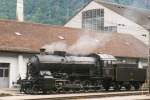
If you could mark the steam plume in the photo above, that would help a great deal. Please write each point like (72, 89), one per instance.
(55, 46)
(86, 44)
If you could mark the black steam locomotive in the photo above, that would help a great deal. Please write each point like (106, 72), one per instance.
(65, 72)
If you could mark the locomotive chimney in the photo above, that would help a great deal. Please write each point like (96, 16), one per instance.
(42, 51)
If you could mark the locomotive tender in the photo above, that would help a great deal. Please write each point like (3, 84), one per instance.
(65, 72)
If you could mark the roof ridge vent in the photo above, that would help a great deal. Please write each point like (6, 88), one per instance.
(17, 33)
(60, 37)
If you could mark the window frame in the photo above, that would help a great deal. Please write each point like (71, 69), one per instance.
(93, 20)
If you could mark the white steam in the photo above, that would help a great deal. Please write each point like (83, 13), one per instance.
(56, 46)
(86, 44)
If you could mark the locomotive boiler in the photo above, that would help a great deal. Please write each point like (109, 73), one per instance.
(60, 71)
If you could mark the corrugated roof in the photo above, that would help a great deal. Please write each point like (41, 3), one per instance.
(34, 36)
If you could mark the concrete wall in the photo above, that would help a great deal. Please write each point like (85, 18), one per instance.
(111, 18)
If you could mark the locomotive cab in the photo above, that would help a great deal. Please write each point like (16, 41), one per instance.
(107, 62)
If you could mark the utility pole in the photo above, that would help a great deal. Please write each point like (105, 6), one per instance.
(20, 11)
(147, 27)
(148, 60)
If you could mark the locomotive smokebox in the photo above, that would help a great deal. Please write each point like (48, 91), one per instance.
(60, 53)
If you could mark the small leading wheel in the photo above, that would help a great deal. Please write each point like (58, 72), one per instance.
(35, 89)
(128, 87)
(28, 90)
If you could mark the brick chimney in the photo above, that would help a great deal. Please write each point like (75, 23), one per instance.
(20, 11)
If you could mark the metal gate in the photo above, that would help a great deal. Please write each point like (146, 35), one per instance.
(4, 75)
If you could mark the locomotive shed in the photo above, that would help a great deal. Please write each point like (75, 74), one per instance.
(122, 46)
(76, 63)
(78, 96)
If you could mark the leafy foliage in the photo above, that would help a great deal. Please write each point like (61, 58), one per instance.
(51, 11)
(134, 3)
(7, 9)
(55, 11)
(58, 12)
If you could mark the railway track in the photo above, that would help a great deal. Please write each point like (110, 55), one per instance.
(73, 96)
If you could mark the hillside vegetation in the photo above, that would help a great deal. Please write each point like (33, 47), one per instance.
(55, 11)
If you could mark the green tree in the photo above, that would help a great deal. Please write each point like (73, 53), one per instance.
(54, 11)
(8, 9)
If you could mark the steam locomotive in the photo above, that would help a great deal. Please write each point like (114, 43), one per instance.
(47, 73)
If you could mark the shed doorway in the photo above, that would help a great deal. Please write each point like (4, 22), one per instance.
(4, 75)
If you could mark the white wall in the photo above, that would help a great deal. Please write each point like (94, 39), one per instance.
(22, 65)
(111, 18)
(13, 68)
(76, 21)
(17, 66)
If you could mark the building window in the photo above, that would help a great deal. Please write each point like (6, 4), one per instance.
(110, 29)
(93, 19)
(4, 70)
